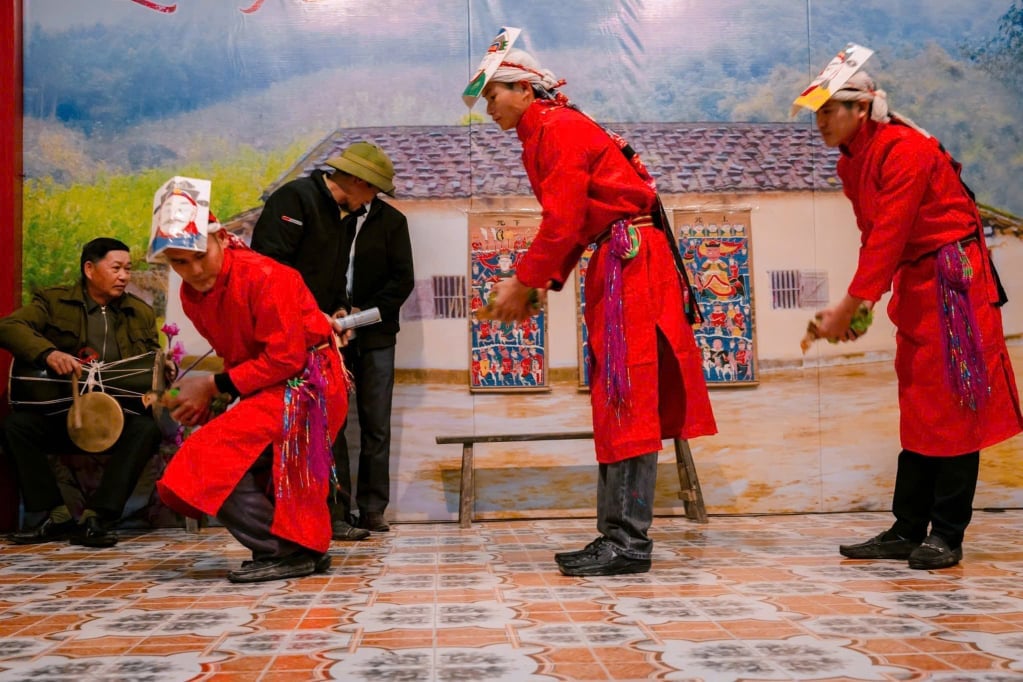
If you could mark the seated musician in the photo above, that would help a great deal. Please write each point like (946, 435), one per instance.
(263, 466)
(94, 318)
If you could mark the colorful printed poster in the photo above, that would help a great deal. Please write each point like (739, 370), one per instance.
(503, 356)
(716, 251)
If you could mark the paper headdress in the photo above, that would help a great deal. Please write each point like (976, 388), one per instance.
(491, 61)
(832, 78)
(181, 216)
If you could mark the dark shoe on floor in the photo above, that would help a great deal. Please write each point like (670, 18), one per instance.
(934, 553)
(342, 530)
(373, 521)
(606, 560)
(47, 531)
(568, 558)
(93, 534)
(294, 566)
(887, 545)
(321, 563)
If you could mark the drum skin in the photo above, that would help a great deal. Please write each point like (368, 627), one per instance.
(95, 422)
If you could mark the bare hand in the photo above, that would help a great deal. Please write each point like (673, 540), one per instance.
(833, 323)
(511, 300)
(343, 339)
(189, 399)
(64, 364)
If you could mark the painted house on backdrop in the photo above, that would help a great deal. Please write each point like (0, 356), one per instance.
(765, 194)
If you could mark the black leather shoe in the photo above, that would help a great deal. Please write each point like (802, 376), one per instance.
(47, 531)
(934, 553)
(373, 521)
(568, 558)
(606, 560)
(294, 566)
(887, 545)
(93, 534)
(342, 530)
(321, 563)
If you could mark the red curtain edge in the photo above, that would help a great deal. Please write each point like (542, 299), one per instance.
(11, 83)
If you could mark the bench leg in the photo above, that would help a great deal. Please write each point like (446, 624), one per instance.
(689, 484)
(191, 525)
(467, 488)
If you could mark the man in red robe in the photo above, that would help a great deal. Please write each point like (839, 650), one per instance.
(646, 382)
(921, 236)
(263, 466)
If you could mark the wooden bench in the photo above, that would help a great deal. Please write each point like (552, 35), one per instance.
(689, 484)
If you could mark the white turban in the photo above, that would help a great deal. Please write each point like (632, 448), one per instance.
(861, 88)
(519, 65)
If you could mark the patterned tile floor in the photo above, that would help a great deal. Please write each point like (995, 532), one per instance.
(741, 598)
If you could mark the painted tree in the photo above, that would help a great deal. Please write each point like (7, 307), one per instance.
(1001, 55)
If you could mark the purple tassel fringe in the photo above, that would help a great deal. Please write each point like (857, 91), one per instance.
(306, 457)
(616, 377)
(964, 360)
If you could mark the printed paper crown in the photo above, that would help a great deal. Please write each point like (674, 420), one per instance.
(491, 62)
(181, 216)
(838, 71)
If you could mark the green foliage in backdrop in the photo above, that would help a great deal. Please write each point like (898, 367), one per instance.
(59, 219)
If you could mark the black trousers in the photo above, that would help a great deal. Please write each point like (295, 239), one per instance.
(373, 372)
(248, 512)
(31, 436)
(937, 491)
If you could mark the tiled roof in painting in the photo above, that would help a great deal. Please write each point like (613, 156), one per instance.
(446, 162)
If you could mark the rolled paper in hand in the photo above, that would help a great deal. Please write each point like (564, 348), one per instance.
(859, 324)
(359, 319)
(487, 311)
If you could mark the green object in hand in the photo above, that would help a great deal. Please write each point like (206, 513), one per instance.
(860, 322)
(859, 325)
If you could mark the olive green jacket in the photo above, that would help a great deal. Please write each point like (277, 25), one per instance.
(56, 320)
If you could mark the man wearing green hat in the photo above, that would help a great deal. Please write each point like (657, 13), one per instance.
(301, 226)
(380, 275)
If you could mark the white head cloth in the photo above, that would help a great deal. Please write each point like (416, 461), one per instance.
(861, 88)
(519, 65)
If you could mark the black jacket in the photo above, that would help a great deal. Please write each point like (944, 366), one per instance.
(383, 274)
(300, 226)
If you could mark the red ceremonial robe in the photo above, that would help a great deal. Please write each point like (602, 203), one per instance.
(909, 202)
(261, 320)
(584, 183)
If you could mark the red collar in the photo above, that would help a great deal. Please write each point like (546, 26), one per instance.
(532, 118)
(861, 140)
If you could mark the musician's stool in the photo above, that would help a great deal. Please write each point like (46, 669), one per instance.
(689, 484)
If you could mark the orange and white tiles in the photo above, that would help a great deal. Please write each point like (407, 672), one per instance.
(741, 598)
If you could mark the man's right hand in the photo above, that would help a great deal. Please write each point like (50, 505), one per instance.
(63, 364)
(343, 339)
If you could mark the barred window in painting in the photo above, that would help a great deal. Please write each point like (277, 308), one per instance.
(799, 289)
(813, 289)
(784, 288)
(449, 296)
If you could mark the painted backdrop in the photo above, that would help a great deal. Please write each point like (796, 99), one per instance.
(120, 95)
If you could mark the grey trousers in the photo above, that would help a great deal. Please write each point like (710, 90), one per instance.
(625, 503)
(248, 512)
